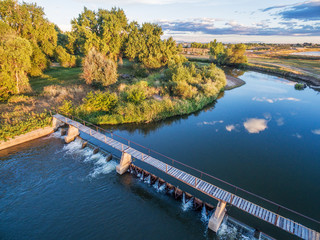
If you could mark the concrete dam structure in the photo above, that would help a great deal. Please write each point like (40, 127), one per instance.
(225, 198)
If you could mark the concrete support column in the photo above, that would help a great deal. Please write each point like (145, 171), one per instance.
(216, 218)
(124, 163)
(73, 132)
(56, 124)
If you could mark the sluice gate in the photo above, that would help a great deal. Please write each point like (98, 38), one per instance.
(222, 196)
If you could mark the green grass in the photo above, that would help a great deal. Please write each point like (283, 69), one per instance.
(56, 76)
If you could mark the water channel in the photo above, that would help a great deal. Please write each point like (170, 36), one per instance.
(263, 137)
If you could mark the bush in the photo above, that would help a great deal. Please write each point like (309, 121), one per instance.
(136, 95)
(67, 108)
(100, 101)
(97, 69)
(65, 59)
(183, 89)
(138, 92)
(17, 123)
(299, 86)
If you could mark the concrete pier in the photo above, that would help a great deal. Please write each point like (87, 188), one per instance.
(216, 218)
(73, 132)
(124, 163)
(56, 123)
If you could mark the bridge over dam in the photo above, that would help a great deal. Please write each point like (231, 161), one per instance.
(224, 197)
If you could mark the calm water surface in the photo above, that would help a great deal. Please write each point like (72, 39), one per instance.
(264, 137)
(307, 53)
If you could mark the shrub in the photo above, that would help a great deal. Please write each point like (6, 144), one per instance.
(100, 101)
(97, 69)
(137, 93)
(183, 89)
(299, 86)
(67, 108)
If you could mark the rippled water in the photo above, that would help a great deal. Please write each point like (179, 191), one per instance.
(264, 136)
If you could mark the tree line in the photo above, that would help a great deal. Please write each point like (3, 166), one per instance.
(29, 42)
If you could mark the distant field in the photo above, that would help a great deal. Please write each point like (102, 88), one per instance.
(300, 66)
(279, 61)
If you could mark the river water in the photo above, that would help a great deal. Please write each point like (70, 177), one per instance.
(307, 53)
(263, 136)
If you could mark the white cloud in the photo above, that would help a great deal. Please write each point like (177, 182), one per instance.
(149, 2)
(273, 100)
(231, 127)
(316, 131)
(210, 123)
(280, 121)
(255, 125)
(297, 135)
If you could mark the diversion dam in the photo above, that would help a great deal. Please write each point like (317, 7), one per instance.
(193, 178)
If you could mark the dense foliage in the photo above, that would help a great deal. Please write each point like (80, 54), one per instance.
(15, 62)
(17, 123)
(98, 69)
(233, 54)
(64, 58)
(28, 22)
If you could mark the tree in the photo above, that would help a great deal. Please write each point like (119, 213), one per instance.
(103, 30)
(98, 69)
(216, 49)
(133, 45)
(65, 59)
(28, 21)
(237, 54)
(234, 54)
(15, 53)
(144, 44)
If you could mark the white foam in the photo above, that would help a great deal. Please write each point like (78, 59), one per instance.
(73, 146)
(103, 167)
(186, 205)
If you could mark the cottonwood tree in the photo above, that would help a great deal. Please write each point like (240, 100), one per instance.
(15, 62)
(28, 21)
(103, 30)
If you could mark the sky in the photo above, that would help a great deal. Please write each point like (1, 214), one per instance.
(229, 21)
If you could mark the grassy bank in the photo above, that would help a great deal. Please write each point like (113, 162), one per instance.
(139, 96)
(17, 123)
(27, 112)
(151, 96)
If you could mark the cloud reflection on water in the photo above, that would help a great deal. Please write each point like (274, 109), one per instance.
(273, 100)
(255, 125)
(316, 131)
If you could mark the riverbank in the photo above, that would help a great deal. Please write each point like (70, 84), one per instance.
(139, 96)
(286, 74)
(26, 137)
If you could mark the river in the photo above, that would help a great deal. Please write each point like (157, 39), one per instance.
(263, 136)
(307, 53)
